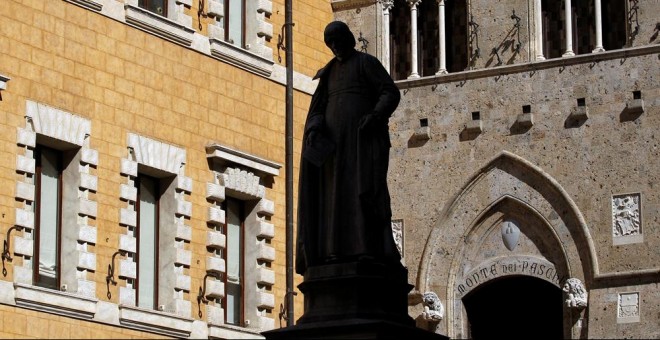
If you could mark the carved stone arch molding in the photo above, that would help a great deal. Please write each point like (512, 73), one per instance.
(508, 196)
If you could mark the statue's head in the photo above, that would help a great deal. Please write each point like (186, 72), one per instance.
(339, 38)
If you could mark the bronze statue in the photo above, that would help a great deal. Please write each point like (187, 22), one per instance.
(344, 212)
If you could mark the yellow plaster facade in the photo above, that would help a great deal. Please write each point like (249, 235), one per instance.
(124, 80)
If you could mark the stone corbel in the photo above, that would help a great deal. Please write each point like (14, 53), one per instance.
(434, 311)
(576, 294)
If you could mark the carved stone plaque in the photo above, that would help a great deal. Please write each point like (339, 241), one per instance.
(626, 218)
(628, 307)
(625, 215)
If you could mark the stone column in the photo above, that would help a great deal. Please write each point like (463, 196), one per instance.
(387, 6)
(442, 46)
(538, 29)
(599, 28)
(413, 37)
(569, 28)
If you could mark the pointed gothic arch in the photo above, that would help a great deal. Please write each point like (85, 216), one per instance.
(503, 185)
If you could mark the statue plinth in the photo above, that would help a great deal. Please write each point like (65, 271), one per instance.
(362, 299)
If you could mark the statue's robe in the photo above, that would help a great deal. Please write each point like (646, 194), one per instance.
(344, 209)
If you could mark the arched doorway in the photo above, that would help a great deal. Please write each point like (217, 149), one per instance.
(515, 307)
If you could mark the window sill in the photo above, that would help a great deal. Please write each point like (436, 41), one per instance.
(241, 58)
(159, 25)
(53, 301)
(89, 4)
(233, 332)
(154, 321)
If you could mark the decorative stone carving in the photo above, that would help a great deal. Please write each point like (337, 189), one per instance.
(628, 307)
(510, 234)
(434, 311)
(576, 294)
(397, 231)
(626, 216)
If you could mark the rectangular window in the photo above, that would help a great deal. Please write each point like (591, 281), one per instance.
(233, 303)
(234, 22)
(48, 206)
(156, 6)
(147, 238)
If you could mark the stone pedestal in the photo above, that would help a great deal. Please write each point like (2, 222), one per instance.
(364, 299)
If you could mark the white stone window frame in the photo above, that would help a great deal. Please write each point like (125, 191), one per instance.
(618, 240)
(257, 56)
(241, 176)
(174, 235)
(176, 27)
(57, 128)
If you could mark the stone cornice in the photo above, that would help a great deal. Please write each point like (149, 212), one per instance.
(342, 5)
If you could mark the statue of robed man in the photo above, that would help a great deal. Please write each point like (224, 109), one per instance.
(344, 212)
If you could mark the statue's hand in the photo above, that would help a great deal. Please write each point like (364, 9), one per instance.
(311, 136)
(368, 122)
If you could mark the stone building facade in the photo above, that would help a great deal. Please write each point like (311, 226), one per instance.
(142, 160)
(524, 166)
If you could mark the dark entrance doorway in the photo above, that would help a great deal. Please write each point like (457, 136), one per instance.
(515, 307)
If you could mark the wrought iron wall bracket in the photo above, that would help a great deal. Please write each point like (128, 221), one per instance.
(6, 254)
(364, 41)
(516, 27)
(110, 278)
(474, 38)
(201, 296)
(280, 42)
(283, 307)
(200, 13)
